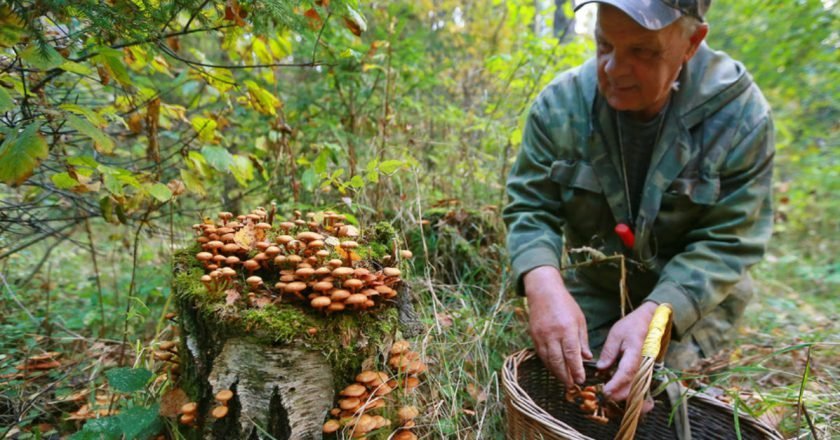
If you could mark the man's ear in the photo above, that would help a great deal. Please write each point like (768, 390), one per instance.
(695, 39)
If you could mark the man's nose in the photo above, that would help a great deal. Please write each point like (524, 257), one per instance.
(615, 65)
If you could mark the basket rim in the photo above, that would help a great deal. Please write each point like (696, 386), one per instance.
(519, 399)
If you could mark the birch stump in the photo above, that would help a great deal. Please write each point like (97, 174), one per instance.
(283, 361)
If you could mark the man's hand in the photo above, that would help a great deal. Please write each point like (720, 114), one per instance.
(557, 325)
(625, 343)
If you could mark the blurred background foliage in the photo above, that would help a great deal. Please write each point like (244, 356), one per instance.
(122, 122)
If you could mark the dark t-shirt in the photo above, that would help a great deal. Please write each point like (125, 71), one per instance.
(637, 139)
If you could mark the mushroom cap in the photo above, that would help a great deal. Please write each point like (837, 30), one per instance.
(364, 424)
(353, 390)
(204, 256)
(283, 239)
(391, 272)
(254, 281)
(315, 244)
(348, 231)
(186, 419)
(189, 408)
(400, 347)
(415, 367)
(323, 253)
(411, 383)
(280, 259)
(408, 412)
(232, 260)
(366, 376)
(206, 279)
(353, 283)
(331, 426)
(231, 248)
(361, 272)
(215, 244)
(272, 251)
(382, 389)
(349, 404)
(224, 395)
(320, 302)
(335, 262)
(286, 226)
(349, 244)
(251, 264)
(304, 272)
(262, 225)
(294, 259)
(219, 412)
(228, 272)
(404, 435)
(336, 307)
(406, 254)
(323, 271)
(287, 278)
(381, 422)
(295, 286)
(322, 286)
(381, 378)
(356, 298)
(342, 272)
(308, 236)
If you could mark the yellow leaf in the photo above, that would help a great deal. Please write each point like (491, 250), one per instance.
(261, 51)
(245, 237)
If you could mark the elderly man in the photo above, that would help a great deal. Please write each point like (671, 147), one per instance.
(659, 149)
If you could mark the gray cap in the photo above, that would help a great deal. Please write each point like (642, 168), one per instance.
(655, 14)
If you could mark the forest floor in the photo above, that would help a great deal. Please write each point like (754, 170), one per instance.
(784, 369)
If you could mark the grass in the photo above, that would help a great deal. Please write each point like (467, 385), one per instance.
(472, 322)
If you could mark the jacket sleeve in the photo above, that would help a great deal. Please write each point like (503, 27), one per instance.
(730, 237)
(534, 213)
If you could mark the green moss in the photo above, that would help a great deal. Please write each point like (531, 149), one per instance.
(346, 339)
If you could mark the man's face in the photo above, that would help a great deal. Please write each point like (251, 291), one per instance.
(637, 66)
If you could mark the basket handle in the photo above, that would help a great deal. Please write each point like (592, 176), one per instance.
(653, 351)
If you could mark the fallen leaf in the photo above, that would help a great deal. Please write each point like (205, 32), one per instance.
(246, 236)
(444, 320)
(171, 402)
(231, 295)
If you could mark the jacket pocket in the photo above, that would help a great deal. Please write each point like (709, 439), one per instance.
(584, 203)
(682, 203)
(575, 174)
(702, 190)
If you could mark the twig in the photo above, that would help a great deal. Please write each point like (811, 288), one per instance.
(132, 283)
(236, 66)
(98, 281)
(800, 405)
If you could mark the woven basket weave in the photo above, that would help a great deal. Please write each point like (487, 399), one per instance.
(537, 409)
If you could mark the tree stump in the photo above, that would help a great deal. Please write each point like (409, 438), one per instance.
(283, 374)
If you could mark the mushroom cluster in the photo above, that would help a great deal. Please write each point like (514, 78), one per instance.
(188, 413)
(372, 392)
(314, 261)
(593, 403)
(167, 352)
(221, 410)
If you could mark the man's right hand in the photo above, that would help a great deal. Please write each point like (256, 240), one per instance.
(557, 325)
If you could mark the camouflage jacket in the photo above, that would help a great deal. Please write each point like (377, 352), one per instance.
(705, 215)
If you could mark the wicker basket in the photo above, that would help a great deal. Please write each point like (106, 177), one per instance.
(537, 409)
